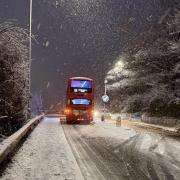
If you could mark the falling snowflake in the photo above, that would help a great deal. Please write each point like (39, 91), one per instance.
(48, 84)
(47, 43)
(38, 26)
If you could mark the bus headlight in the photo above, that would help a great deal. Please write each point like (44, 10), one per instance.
(91, 112)
(67, 111)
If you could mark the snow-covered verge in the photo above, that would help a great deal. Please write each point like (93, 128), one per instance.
(44, 155)
(170, 125)
(165, 121)
(8, 145)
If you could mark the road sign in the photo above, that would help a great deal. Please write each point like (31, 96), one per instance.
(105, 98)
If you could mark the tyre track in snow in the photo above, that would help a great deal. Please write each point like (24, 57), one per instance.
(84, 155)
(146, 165)
(108, 163)
(88, 167)
(124, 161)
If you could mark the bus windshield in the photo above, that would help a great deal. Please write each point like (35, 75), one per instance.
(81, 101)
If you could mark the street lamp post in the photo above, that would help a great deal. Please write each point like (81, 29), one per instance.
(105, 99)
(30, 43)
(105, 83)
(30, 50)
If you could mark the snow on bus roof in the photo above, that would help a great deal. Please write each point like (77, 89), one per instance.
(81, 78)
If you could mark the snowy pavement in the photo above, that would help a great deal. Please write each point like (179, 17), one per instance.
(45, 155)
(123, 153)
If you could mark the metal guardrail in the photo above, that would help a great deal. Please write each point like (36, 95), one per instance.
(10, 144)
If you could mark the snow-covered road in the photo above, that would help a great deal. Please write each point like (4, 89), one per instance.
(97, 151)
(104, 151)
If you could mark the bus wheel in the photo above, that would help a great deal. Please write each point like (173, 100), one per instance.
(68, 122)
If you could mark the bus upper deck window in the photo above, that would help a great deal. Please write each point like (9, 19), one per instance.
(81, 84)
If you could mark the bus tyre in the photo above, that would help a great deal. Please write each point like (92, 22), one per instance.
(68, 122)
(88, 122)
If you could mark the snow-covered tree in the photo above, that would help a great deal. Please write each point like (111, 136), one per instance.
(146, 76)
(14, 97)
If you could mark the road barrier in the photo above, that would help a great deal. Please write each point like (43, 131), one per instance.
(11, 143)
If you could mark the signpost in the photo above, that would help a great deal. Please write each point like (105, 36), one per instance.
(105, 99)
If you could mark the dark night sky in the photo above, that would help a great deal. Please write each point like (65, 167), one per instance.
(79, 37)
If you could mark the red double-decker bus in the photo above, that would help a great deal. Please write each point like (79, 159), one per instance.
(80, 100)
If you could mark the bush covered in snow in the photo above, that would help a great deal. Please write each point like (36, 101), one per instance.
(146, 76)
(14, 95)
